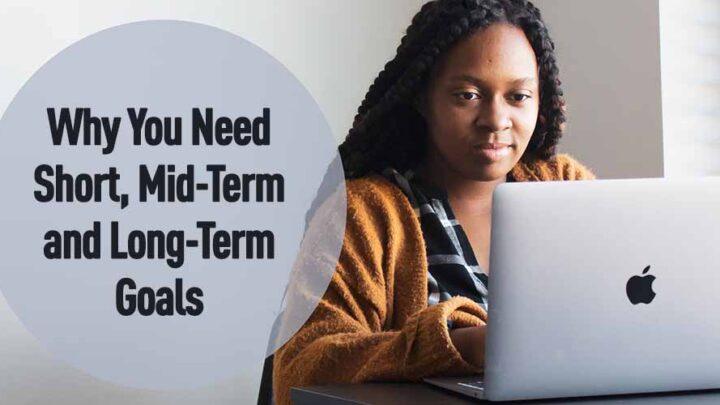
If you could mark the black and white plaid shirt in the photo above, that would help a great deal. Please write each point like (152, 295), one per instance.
(452, 266)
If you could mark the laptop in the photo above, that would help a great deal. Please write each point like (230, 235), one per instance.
(600, 288)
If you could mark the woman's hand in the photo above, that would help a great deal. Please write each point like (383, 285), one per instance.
(470, 342)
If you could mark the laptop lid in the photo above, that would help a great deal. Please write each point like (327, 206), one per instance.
(563, 320)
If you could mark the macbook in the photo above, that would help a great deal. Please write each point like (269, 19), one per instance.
(601, 287)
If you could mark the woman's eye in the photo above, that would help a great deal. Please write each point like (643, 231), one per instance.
(519, 97)
(468, 96)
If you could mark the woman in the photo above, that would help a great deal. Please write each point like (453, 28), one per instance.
(471, 100)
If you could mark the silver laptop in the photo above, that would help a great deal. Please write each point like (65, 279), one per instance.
(602, 287)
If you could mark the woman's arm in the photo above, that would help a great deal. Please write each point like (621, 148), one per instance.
(373, 322)
(470, 343)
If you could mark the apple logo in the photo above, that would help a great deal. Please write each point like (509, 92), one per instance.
(639, 288)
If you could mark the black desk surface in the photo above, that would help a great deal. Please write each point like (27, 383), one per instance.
(423, 394)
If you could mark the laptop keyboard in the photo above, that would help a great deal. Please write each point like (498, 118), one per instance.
(478, 385)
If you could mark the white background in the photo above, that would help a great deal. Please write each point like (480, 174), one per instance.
(691, 86)
(335, 47)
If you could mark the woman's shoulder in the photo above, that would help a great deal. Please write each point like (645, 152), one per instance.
(372, 185)
(559, 167)
(376, 196)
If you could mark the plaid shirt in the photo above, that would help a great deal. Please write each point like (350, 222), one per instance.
(452, 266)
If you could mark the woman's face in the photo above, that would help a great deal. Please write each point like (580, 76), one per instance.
(481, 104)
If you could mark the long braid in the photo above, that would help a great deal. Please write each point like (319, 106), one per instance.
(388, 131)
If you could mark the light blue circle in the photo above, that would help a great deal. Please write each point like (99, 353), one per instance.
(170, 68)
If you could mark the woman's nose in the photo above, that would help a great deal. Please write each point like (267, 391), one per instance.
(494, 115)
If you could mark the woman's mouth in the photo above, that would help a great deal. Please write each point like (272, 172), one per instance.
(493, 151)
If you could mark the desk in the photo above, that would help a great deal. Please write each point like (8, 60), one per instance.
(423, 394)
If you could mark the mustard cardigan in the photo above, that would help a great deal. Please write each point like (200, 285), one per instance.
(374, 322)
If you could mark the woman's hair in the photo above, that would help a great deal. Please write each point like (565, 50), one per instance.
(389, 131)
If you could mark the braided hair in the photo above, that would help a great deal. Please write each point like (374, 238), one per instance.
(389, 131)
